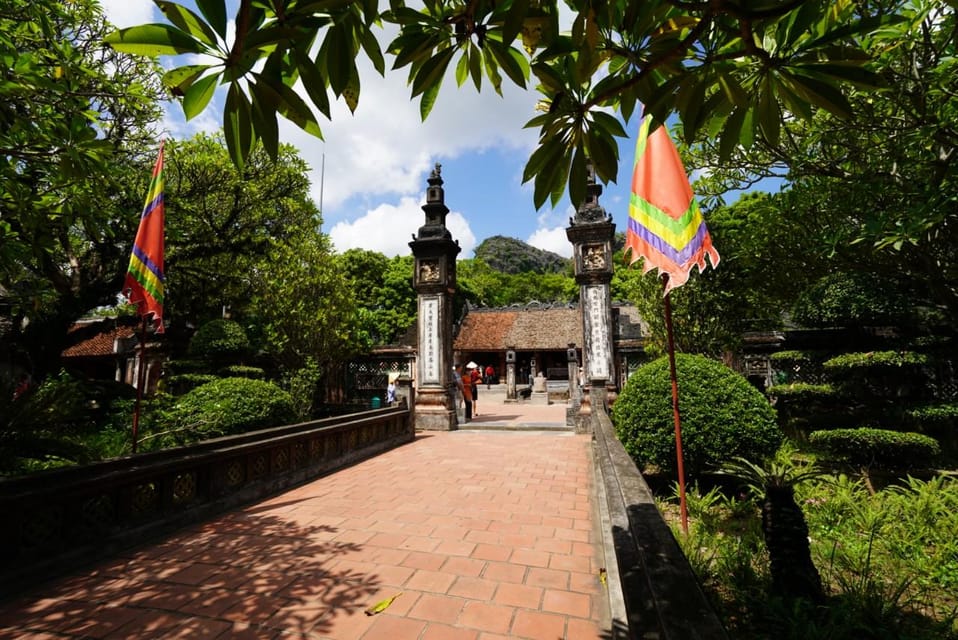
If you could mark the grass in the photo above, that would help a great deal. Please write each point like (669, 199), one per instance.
(888, 559)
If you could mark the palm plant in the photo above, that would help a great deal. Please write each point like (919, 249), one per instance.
(783, 524)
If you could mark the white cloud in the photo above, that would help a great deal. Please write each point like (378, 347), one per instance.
(389, 228)
(127, 13)
(385, 148)
(553, 239)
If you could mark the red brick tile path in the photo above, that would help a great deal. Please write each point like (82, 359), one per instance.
(484, 534)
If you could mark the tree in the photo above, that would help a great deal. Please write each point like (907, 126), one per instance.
(76, 144)
(768, 259)
(304, 305)
(736, 71)
(222, 224)
(878, 189)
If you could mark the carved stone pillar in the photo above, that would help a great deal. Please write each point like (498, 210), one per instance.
(510, 374)
(591, 232)
(434, 279)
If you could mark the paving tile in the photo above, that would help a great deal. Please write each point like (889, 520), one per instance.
(432, 581)
(518, 595)
(486, 617)
(538, 626)
(549, 578)
(504, 572)
(445, 632)
(473, 588)
(459, 566)
(567, 602)
(437, 608)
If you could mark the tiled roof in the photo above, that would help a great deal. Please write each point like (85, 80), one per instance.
(91, 342)
(527, 329)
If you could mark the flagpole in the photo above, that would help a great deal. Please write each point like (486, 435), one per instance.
(140, 381)
(683, 508)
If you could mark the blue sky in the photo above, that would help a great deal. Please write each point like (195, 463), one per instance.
(370, 172)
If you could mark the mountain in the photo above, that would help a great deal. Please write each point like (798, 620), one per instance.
(513, 256)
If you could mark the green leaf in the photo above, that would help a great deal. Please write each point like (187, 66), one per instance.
(187, 21)
(313, 82)
(732, 132)
(237, 127)
(373, 52)
(578, 179)
(264, 104)
(428, 100)
(215, 13)
(338, 54)
(294, 109)
(475, 66)
(154, 40)
(432, 71)
(515, 17)
(181, 78)
(198, 95)
(462, 68)
(819, 93)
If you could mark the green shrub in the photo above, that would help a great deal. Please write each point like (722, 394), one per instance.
(936, 414)
(220, 340)
(877, 447)
(184, 382)
(790, 357)
(242, 371)
(232, 405)
(851, 300)
(802, 392)
(722, 415)
(851, 363)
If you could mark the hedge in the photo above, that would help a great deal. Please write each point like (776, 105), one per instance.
(723, 416)
(220, 339)
(233, 405)
(877, 447)
(802, 391)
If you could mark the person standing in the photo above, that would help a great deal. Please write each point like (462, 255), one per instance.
(391, 389)
(464, 385)
(490, 374)
(474, 383)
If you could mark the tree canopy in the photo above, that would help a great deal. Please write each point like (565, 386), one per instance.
(734, 71)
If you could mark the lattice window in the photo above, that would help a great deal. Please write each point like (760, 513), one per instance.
(280, 459)
(259, 465)
(184, 488)
(145, 498)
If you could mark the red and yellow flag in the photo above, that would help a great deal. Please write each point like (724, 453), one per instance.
(666, 228)
(144, 278)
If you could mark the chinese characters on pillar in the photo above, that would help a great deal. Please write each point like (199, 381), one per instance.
(429, 338)
(598, 330)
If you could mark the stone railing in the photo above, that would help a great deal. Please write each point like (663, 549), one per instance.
(652, 589)
(58, 519)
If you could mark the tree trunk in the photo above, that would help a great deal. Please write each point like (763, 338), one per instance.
(786, 536)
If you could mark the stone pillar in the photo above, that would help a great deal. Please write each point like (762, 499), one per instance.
(575, 393)
(591, 232)
(434, 279)
(510, 374)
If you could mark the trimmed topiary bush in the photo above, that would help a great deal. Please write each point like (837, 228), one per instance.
(723, 416)
(220, 340)
(802, 392)
(877, 447)
(232, 405)
(849, 364)
(242, 371)
(181, 383)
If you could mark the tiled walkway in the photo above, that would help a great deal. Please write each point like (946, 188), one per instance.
(484, 536)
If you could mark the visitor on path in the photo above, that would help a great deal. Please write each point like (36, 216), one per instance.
(490, 374)
(391, 389)
(465, 391)
(474, 384)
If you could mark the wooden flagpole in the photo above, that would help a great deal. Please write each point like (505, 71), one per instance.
(140, 382)
(683, 508)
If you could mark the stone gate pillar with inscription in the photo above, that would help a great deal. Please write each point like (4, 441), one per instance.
(434, 279)
(591, 232)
